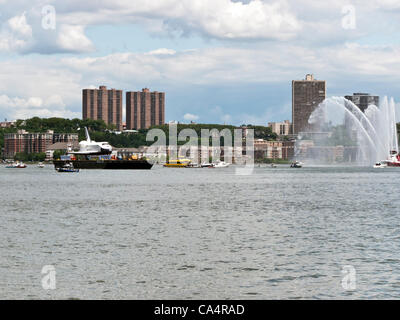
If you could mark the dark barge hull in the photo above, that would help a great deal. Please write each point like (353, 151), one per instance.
(106, 164)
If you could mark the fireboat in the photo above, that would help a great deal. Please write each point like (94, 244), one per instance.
(393, 161)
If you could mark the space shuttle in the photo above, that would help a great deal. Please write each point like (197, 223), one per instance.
(91, 147)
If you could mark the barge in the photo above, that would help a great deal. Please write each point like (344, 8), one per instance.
(105, 164)
(99, 155)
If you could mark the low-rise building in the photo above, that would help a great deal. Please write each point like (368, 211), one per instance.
(281, 128)
(7, 124)
(27, 142)
(273, 149)
(60, 146)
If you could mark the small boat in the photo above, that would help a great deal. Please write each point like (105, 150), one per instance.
(296, 164)
(206, 165)
(273, 165)
(193, 165)
(220, 164)
(40, 165)
(16, 165)
(379, 165)
(68, 167)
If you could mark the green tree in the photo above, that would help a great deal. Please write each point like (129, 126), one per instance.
(58, 153)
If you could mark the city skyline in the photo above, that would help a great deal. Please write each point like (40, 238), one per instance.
(239, 73)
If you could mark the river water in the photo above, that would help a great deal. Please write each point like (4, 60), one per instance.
(201, 233)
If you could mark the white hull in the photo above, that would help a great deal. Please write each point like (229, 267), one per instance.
(221, 165)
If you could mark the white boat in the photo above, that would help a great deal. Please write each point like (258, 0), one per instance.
(18, 165)
(296, 164)
(380, 165)
(220, 164)
(40, 165)
(206, 165)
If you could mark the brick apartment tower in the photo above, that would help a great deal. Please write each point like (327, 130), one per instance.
(103, 104)
(307, 94)
(144, 109)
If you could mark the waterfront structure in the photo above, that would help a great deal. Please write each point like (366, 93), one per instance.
(281, 128)
(273, 149)
(363, 100)
(60, 146)
(144, 109)
(306, 150)
(197, 154)
(23, 141)
(307, 94)
(7, 124)
(103, 104)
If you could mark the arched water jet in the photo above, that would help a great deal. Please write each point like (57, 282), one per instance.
(362, 115)
(340, 132)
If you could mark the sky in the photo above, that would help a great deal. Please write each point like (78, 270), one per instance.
(219, 61)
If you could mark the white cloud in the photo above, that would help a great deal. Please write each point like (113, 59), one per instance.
(54, 101)
(163, 51)
(223, 19)
(224, 66)
(387, 4)
(190, 117)
(20, 108)
(19, 25)
(308, 22)
(72, 38)
(16, 33)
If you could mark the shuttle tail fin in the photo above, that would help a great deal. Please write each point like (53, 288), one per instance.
(87, 135)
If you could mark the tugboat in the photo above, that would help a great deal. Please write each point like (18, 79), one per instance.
(98, 155)
(296, 164)
(393, 161)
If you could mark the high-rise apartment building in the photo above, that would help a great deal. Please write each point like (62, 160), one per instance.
(307, 94)
(103, 104)
(144, 109)
(363, 100)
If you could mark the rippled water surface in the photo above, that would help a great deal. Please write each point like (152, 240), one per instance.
(200, 233)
